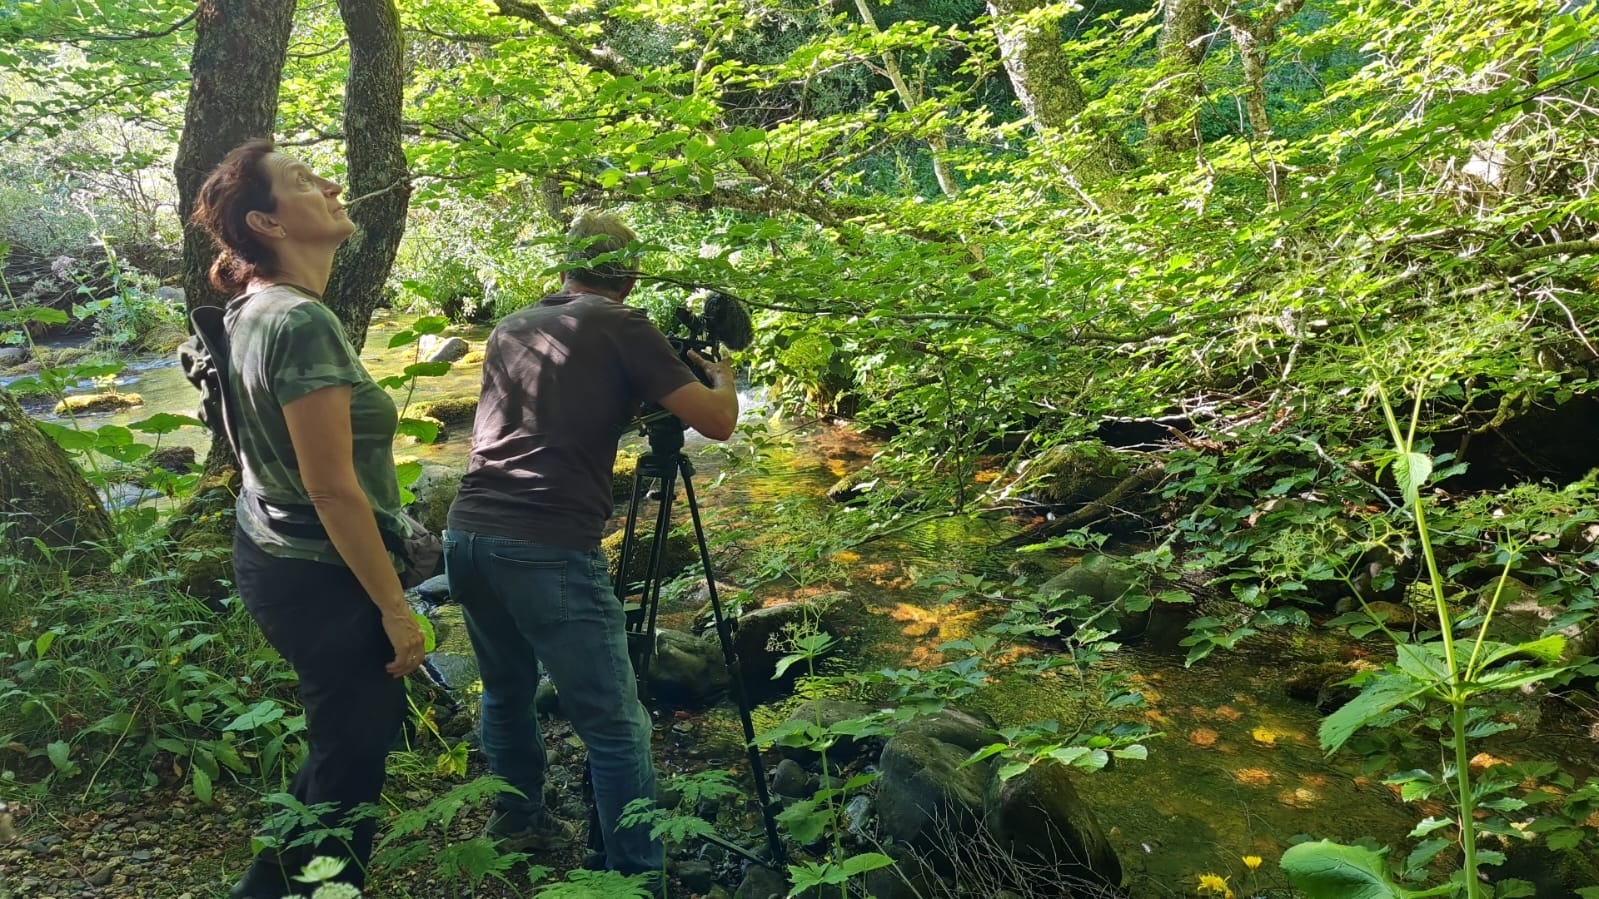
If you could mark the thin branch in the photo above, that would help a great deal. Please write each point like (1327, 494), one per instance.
(479, 39)
(313, 54)
(131, 36)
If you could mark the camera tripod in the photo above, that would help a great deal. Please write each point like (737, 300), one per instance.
(666, 464)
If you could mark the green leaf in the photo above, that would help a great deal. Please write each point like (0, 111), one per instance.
(61, 757)
(427, 369)
(165, 423)
(402, 339)
(202, 784)
(1379, 696)
(805, 821)
(429, 638)
(1411, 470)
(70, 439)
(41, 643)
(1328, 870)
(262, 713)
(866, 861)
(430, 324)
(423, 431)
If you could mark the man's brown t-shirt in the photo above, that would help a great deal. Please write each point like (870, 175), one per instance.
(561, 381)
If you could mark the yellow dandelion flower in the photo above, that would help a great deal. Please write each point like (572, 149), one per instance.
(1252, 862)
(1214, 883)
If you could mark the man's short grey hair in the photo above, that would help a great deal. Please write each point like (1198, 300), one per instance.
(594, 234)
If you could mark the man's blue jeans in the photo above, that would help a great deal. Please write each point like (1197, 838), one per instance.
(525, 603)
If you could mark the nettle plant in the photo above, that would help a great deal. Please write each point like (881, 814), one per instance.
(1456, 683)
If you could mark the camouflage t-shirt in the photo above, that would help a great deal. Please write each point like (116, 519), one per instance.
(285, 344)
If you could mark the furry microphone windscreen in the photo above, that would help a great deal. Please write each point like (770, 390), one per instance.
(727, 320)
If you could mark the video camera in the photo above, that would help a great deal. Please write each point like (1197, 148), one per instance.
(724, 322)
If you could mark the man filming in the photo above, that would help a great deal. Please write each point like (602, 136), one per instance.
(562, 380)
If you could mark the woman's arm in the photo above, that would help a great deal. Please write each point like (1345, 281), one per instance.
(319, 428)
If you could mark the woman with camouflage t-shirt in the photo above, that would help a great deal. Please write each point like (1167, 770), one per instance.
(314, 432)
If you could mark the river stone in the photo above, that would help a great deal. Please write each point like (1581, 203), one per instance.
(456, 412)
(686, 668)
(789, 779)
(1106, 581)
(98, 402)
(435, 488)
(681, 551)
(765, 635)
(1071, 475)
(11, 355)
(927, 797)
(761, 882)
(1037, 817)
(447, 349)
(176, 459)
(954, 727)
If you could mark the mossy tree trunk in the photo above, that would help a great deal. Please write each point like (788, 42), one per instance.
(43, 498)
(1041, 74)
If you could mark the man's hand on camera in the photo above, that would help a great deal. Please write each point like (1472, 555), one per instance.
(719, 371)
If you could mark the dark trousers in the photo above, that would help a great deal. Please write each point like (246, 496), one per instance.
(319, 618)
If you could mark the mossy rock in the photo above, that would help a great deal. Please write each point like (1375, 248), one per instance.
(453, 411)
(681, 551)
(209, 508)
(70, 355)
(99, 402)
(473, 358)
(622, 476)
(1073, 474)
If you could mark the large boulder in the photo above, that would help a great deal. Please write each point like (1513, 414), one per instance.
(764, 636)
(685, 668)
(1070, 475)
(927, 796)
(1037, 818)
(679, 552)
(932, 802)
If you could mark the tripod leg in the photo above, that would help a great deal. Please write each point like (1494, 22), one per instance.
(734, 671)
(651, 592)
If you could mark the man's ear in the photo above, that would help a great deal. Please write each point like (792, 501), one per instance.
(261, 223)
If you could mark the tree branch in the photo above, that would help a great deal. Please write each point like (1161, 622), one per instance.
(132, 36)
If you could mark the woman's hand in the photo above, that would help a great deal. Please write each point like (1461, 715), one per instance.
(406, 638)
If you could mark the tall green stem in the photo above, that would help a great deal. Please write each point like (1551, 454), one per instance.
(1468, 828)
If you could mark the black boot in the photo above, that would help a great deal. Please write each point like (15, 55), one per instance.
(264, 880)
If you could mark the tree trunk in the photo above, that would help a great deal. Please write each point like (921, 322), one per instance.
(1045, 83)
(43, 497)
(237, 64)
(1182, 45)
(239, 48)
(372, 105)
